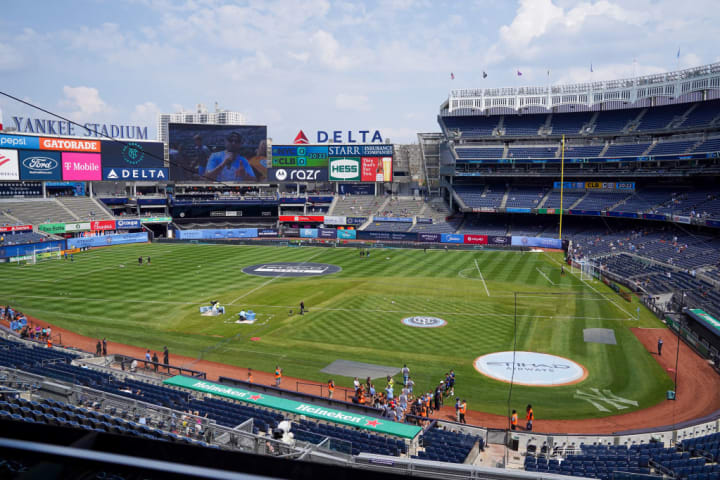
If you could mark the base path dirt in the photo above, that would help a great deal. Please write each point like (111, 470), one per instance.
(697, 391)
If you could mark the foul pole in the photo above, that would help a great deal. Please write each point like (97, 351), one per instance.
(562, 182)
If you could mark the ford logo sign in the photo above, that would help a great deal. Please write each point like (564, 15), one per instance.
(40, 163)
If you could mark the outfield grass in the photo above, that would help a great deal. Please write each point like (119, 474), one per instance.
(353, 315)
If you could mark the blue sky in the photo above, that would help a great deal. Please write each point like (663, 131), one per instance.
(327, 65)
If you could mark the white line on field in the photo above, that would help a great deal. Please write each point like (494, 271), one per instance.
(546, 277)
(630, 315)
(270, 281)
(481, 278)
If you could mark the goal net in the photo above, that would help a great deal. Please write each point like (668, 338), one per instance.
(45, 254)
(588, 270)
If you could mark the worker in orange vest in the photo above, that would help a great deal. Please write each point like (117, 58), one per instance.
(331, 388)
(513, 420)
(463, 409)
(361, 395)
(250, 376)
(278, 375)
(529, 417)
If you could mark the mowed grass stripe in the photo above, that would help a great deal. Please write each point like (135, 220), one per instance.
(354, 314)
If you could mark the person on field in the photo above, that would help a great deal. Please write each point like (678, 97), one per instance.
(302, 308)
(250, 376)
(155, 360)
(458, 403)
(278, 375)
(660, 345)
(463, 409)
(331, 388)
(513, 420)
(139, 260)
(104, 347)
(98, 348)
(530, 416)
(405, 374)
(166, 352)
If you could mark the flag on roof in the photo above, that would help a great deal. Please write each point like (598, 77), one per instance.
(519, 73)
(678, 54)
(452, 76)
(591, 69)
(484, 74)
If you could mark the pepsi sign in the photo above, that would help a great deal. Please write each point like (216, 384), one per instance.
(39, 165)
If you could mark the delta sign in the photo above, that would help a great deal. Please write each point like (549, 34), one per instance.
(340, 136)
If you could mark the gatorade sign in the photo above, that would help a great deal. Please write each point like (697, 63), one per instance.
(345, 169)
(530, 368)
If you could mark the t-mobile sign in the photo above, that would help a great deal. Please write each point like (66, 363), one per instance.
(81, 166)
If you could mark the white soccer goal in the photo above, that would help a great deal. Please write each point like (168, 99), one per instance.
(588, 270)
(42, 255)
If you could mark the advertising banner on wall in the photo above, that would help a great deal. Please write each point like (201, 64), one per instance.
(132, 154)
(103, 225)
(81, 166)
(20, 141)
(54, 228)
(267, 232)
(390, 236)
(347, 234)
(498, 240)
(393, 219)
(16, 228)
(356, 220)
(107, 240)
(376, 169)
(217, 233)
(9, 169)
(308, 232)
(344, 169)
(301, 218)
(69, 145)
(127, 224)
(327, 233)
(476, 239)
(135, 173)
(77, 227)
(429, 237)
(540, 242)
(452, 238)
(298, 174)
(334, 220)
(40, 165)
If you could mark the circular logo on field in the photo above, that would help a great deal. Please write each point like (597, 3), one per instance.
(531, 368)
(424, 322)
(291, 269)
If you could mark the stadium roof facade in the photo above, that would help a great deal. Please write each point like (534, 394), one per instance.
(693, 84)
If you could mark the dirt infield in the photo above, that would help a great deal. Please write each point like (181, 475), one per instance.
(697, 393)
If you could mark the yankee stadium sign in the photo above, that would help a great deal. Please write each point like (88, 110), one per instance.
(48, 126)
(530, 368)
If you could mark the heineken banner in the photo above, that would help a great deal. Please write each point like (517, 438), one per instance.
(77, 227)
(156, 220)
(372, 424)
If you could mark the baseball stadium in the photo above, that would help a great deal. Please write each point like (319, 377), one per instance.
(531, 291)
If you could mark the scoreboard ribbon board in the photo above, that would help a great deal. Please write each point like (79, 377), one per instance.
(299, 156)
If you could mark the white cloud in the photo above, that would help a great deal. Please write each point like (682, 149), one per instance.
(83, 103)
(358, 103)
(10, 58)
(145, 114)
(328, 50)
(246, 67)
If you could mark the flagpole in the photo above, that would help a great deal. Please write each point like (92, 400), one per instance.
(562, 182)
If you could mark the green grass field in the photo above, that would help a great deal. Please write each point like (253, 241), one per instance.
(353, 315)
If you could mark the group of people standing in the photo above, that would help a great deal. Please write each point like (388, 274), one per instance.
(529, 418)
